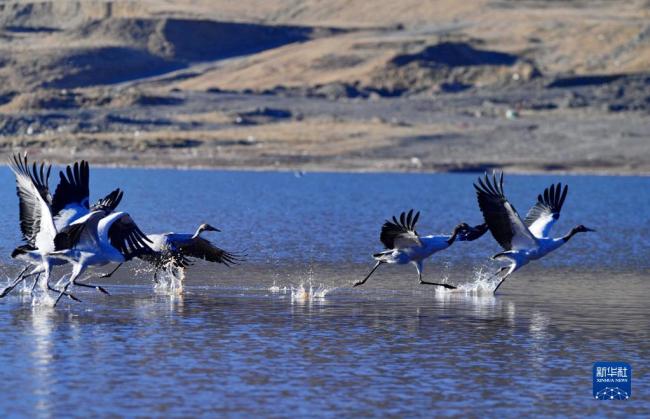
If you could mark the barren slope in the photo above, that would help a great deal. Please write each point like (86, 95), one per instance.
(340, 84)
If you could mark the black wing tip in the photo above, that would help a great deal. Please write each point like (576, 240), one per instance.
(18, 161)
(17, 252)
(21, 250)
(211, 253)
(406, 218)
(36, 172)
(128, 239)
(110, 202)
(74, 186)
(233, 258)
(491, 187)
(553, 197)
(392, 228)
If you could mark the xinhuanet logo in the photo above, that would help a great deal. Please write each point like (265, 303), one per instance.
(612, 381)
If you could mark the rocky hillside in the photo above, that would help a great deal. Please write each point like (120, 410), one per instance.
(382, 46)
(166, 74)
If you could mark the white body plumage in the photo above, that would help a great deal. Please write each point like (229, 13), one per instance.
(416, 253)
(522, 240)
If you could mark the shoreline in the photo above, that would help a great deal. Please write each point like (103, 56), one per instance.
(342, 170)
(467, 132)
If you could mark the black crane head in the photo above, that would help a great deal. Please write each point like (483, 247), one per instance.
(576, 230)
(582, 229)
(469, 233)
(459, 231)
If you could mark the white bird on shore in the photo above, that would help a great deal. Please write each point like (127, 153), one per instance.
(36, 204)
(522, 241)
(404, 245)
(175, 249)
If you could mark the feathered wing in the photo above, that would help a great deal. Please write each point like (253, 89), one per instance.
(543, 215)
(201, 248)
(166, 250)
(36, 223)
(128, 239)
(501, 217)
(84, 226)
(70, 201)
(109, 203)
(398, 234)
(69, 236)
(83, 230)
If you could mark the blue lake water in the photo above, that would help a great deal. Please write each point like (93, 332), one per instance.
(248, 340)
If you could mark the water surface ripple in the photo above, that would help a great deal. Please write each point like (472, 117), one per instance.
(254, 340)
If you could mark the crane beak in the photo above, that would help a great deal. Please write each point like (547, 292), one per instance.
(210, 228)
(589, 229)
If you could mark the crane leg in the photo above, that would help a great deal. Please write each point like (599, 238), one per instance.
(499, 284)
(35, 282)
(108, 275)
(51, 288)
(451, 287)
(496, 274)
(17, 281)
(363, 281)
(76, 271)
(418, 266)
(511, 269)
(61, 293)
(97, 287)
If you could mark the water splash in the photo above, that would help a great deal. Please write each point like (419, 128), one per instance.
(41, 296)
(26, 287)
(34, 290)
(304, 292)
(275, 289)
(483, 283)
(308, 293)
(170, 280)
(23, 290)
(19, 289)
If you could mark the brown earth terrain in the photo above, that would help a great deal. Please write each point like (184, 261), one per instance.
(531, 85)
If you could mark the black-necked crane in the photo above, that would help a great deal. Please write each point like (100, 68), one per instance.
(522, 240)
(176, 249)
(43, 215)
(404, 245)
(98, 239)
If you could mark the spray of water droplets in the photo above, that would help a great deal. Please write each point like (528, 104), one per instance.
(483, 283)
(304, 292)
(170, 280)
(40, 295)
